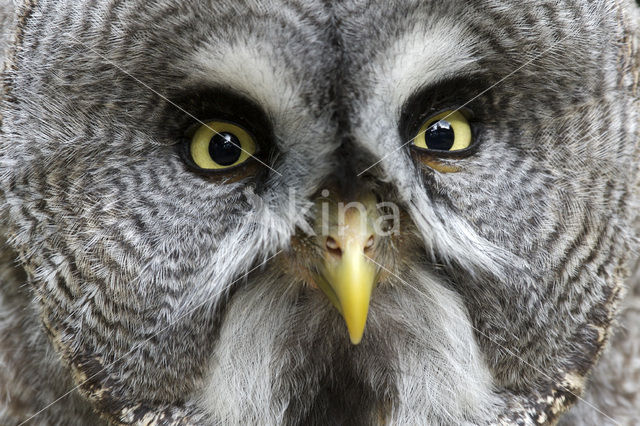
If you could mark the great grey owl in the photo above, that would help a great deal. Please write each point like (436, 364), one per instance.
(238, 212)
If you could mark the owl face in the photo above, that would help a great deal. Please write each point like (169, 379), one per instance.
(175, 176)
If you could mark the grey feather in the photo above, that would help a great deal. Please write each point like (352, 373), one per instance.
(158, 296)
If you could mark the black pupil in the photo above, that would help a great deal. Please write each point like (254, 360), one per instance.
(440, 136)
(224, 148)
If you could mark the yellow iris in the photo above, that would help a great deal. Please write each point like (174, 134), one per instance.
(219, 145)
(447, 131)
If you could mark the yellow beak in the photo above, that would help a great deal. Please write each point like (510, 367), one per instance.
(346, 273)
(348, 283)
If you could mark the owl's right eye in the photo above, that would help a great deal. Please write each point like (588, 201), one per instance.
(219, 146)
(447, 131)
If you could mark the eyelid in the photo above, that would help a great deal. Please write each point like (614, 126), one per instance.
(193, 128)
(427, 115)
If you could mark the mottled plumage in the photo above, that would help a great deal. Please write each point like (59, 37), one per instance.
(162, 296)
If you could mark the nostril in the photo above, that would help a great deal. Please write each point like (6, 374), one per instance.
(333, 247)
(369, 243)
(332, 244)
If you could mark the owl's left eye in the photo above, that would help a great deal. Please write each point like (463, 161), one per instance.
(447, 131)
(220, 145)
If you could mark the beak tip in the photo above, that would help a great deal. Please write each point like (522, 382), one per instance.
(355, 333)
(355, 340)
